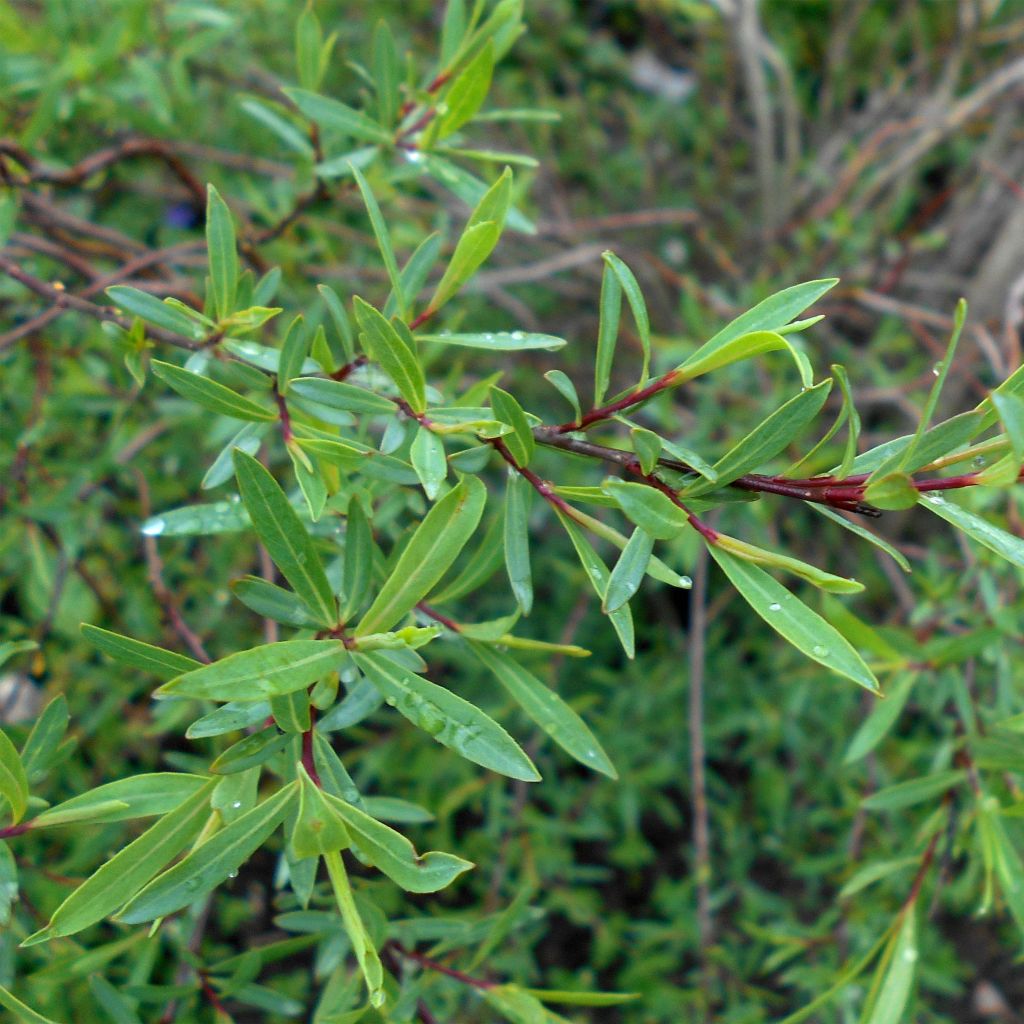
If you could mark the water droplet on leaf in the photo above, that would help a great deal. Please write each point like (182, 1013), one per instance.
(775, 607)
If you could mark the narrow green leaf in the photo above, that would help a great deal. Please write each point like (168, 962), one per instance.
(387, 71)
(380, 232)
(266, 671)
(647, 446)
(331, 114)
(390, 852)
(597, 572)
(229, 718)
(291, 711)
(428, 459)
(336, 394)
(565, 387)
(607, 331)
(517, 539)
(285, 537)
(165, 664)
(293, 354)
(520, 442)
(900, 966)
(357, 570)
(1011, 412)
(130, 869)
(151, 309)
(272, 602)
(450, 720)
(571, 998)
(24, 1014)
(654, 512)
(477, 241)
(807, 631)
(8, 884)
(434, 546)
(139, 796)
(13, 781)
(546, 709)
(882, 718)
(346, 336)
(260, 110)
(1004, 544)
(211, 395)
(467, 93)
(776, 560)
(210, 864)
(485, 561)
(629, 570)
(746, 346)
(319, 828)
(769, 315)
(892, 491)
(879, 542)
(308, 47)
(941, 371)
(913, 791)
(637, 305)
(499, 341)
(386, 346)
(251, 751)
(768, 438)
(41, 745)
(222, 253)
(362, 945)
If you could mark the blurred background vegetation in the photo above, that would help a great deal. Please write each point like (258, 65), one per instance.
(725, 150)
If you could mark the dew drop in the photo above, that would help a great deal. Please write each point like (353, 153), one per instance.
(153, 527)
(377, 998)
(390, 701)
(818, 651)
(517, 335)
(979, 460)
(936, 500)
(775, 607)
(237, 804)
(685, 582)
(414, 156)
(233, 874)
(910, 955)
(936, 369)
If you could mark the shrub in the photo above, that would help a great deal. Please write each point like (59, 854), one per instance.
(406, 513)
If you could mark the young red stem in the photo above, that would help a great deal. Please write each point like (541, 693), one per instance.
(434, 965)
(633, 398)
(285, 416)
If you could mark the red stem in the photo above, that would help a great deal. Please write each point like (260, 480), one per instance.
(434, 965)
(633, 398)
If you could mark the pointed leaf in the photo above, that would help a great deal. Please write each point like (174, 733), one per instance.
(209, 394)
(13, 781)
(433, 548)
(390, 852)
(387, 347)
(266, 671)
(131, 868)
(222, 253)
(807, 631)
(547, 709)
(165, 664)
(285, 537)
(450, 720)
(210, 864)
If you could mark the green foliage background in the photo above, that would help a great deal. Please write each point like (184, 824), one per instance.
(903, 173)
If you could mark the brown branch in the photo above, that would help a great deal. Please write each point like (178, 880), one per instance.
(129, 149)
(62, 299)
